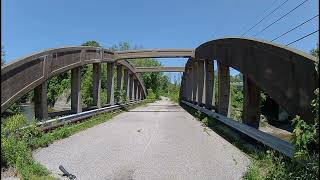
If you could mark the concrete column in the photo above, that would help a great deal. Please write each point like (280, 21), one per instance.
(136, 89)
(139, 92)
(200, 82)
(97, 84)
(133, 88)
(230, 105)
(185, 75)
(251, 103)
(209, 79)
(40, 101)
(110, 83)
(214, 101)
(75, 90)
(119, 77)
(130, 86)
(183, 89)
(189, 84)
(224, 89)
(194, 82)
(126, 82)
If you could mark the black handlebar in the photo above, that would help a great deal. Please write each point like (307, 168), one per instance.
(66, 173)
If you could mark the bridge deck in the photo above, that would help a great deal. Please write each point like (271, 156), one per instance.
(157, 141)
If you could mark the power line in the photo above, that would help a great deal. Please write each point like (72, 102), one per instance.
(295, 28)
(265, 16)
(302, 37)
(280, 18)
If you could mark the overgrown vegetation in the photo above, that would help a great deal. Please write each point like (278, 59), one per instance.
(17, 145)
(306, 141)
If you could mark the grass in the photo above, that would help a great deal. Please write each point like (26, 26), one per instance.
(17, 146)
(265, 163)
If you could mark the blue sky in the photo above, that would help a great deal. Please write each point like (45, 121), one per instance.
(31, 26)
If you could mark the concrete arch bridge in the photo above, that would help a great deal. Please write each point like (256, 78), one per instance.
(287, 75)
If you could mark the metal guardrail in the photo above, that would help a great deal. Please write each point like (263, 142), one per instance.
(273, 142)
(56, 122)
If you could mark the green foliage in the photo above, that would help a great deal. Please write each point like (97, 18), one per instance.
(87, 86)
(57, 85)
(199, 115)
(306, 134)
(91, 43)
(271, 165)
(315, 52)
(15, 148)
(205, 121)
(151, 97)
(120, 96)
(2, 56)
(17, 145)
(236, 103)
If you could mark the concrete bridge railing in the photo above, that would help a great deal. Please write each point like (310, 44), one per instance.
(287, 75)
(34, 71)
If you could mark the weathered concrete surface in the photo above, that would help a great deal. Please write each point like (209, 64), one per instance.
(157, 141)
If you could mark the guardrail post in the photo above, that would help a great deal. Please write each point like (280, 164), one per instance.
(194, 82)
(251, 103)
(110, 83)
(40, 101)
(200, 81)
(130, 86)
(209, 81)
(224, 89)
(75, 90)
(97, 84)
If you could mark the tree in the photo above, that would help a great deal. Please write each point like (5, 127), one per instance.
(2, 56)
(315, 52)
(91, 43)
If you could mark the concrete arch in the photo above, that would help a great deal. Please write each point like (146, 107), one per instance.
(287, 75)
(24, 74)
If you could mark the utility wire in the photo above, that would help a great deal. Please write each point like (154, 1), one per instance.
(295, 28)
(280, 18)
(302, 37)
(265, 16)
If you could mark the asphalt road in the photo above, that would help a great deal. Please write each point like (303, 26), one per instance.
(157, 141)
